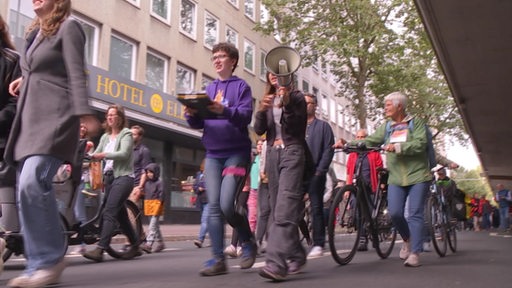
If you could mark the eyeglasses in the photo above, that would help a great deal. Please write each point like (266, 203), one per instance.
(220, 57)
(312, 103)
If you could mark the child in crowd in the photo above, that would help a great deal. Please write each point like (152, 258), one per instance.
(153, 206)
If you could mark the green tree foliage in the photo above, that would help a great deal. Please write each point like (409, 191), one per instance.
(373, 47)
(471, 182)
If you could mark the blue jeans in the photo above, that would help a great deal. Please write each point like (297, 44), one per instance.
(204, 222)
(43, 237)
(504, 218)
(411, 228)
(224, 179)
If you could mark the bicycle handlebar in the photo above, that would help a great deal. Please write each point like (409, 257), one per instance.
(359, 148)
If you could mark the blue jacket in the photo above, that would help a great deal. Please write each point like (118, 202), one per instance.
(320, 139)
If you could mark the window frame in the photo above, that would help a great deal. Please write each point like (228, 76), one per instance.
(217, 30)
(248, 43)
(134, 53)
(167, 19)
(229, 28)
(135, 3)
(234, 3)
(263, 69)
(166, 69)
(192, 80)
(96, 39)
(253, 15)
(193, 33)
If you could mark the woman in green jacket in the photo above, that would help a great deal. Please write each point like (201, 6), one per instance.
(409, 173)
(115, 149)
(405, 141)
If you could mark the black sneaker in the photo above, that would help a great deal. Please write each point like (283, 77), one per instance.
(214, 267)
(198, 243)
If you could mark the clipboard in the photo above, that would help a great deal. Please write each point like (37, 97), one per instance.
(199, 102)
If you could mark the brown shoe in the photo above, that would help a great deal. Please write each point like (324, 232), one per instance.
(94, 255)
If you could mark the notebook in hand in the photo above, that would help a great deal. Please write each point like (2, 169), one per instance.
(199, 102)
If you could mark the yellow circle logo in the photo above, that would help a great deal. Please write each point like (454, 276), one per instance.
(157, 104)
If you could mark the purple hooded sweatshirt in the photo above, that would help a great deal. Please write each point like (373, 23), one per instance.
(228, 135)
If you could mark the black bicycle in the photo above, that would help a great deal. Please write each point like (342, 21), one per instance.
(442, 230)
(76, 234)
(356, 212)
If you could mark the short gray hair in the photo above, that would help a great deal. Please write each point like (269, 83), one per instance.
(397, 98)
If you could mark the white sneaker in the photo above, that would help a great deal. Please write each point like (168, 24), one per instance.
(413, 260)
(316, 251)
(405, 251)
(2, 248)
(427, 247)
(232, 251)
(40, 278)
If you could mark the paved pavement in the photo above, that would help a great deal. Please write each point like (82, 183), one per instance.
(181, 232)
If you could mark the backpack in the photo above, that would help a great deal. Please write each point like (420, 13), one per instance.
(431, 153)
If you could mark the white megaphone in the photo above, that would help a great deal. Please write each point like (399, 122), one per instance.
(283, 61)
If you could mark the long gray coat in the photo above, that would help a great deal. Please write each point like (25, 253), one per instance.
(52, 97)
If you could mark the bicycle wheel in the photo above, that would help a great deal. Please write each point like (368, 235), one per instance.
(385, 232)
(119, 245)
(436, 225)
(452, 237)
(343, 227)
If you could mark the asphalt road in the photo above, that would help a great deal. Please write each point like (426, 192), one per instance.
(483, 260)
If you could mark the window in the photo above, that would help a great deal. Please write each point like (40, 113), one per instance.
(188, 18)
(211, 30)
(91, 40)
(231, 36)
(122, 57)
(161, 10)
(184, 79)
(205, 81)
(305, 86)
(314, 62)
(263, 69)
(249, 9)
(324, 69)
(248, 56)
(234, 3)
(264, 14)
(156, 71)
(325, 109)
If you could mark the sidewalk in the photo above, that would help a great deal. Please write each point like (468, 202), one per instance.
(182, 232)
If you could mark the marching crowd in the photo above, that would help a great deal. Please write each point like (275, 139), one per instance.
(260, 194)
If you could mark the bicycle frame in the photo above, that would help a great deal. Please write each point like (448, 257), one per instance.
(370, 215)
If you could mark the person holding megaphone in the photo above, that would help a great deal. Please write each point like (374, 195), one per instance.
(282, 116)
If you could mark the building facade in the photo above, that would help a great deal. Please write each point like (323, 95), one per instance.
(141, 53)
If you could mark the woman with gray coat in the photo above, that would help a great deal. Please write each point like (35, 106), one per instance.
(52, 100)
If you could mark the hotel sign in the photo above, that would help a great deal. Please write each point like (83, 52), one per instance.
(111, 88)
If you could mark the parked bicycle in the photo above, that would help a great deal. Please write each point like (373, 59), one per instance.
(356, 209)
(442, 228)
(73, 232)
